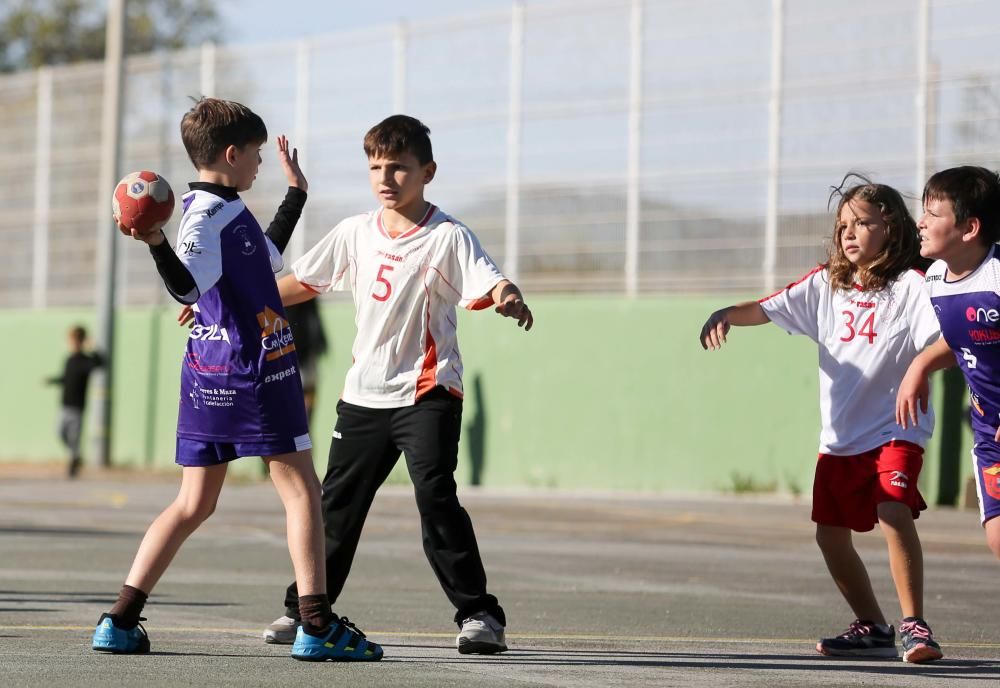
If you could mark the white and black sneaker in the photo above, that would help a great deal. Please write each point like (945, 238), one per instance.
(861, 639)
(481, 634)
(282, 631)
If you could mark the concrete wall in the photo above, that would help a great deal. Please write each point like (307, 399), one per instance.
(603, 393)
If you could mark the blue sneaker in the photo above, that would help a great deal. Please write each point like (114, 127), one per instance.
(110, 638)
(344, 642)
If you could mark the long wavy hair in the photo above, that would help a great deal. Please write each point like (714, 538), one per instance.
(901, 251)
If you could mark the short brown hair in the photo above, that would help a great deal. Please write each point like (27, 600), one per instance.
(400, 134)
(78, 334)
(213, 125)
(973, 192)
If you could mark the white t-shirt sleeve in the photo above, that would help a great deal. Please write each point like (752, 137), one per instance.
(199, 247)
(795, 308)
(924, 326)
(467, 272)
(324, 267)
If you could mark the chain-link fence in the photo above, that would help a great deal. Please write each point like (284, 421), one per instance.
(624, 147)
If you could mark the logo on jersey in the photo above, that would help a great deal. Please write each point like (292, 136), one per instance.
(983, 335)
(275, 334)
(247, 247)
(280, 375)
(969, 358)
(190, 248)
(899, 479)
(210, 333)
(974, 398)
(991, 480)
(193, 361)
(218, 396)
(193, 394)
(986, 315)
(391, 256)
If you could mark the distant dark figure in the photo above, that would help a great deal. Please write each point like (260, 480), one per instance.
(76, 374)
(310, 345)
(476, 432)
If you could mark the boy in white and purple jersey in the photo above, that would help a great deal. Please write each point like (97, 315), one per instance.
(239, 382)
(408, 266)
(240, 389)
(960, 227)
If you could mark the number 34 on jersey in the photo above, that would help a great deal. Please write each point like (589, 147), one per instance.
(859, 326)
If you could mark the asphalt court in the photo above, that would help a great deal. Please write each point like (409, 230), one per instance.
(599, 590)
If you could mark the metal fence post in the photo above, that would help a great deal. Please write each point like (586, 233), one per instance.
(43, 196)
(400, 39)
(208, 69)
(107, 234)
(301, 132)
(632, 197)
(513, 202)
(773, 146)
(921, 101)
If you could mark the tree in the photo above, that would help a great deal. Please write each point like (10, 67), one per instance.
(49, 32)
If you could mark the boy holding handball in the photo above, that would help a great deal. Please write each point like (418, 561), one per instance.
(240, 395)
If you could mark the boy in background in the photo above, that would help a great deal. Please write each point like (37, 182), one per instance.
(76, 375)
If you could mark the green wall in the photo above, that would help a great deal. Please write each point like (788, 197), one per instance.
(603, 393)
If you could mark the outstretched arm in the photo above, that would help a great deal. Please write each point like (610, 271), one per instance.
(510, 303)
(914, 390)
(292, 291)
(713, 332)
(290, 210)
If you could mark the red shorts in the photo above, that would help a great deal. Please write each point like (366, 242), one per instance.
(848, 489)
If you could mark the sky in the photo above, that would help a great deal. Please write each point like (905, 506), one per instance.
(252, 21)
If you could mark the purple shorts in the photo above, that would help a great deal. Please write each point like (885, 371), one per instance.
(199, 453)
(986, 464)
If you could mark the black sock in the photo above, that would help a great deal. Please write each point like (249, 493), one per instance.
(314, 610)
(128, 608)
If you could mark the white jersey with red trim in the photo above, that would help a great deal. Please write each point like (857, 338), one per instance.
(866, 342)
(405, 293)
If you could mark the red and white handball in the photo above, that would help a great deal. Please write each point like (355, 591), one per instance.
(143, 201)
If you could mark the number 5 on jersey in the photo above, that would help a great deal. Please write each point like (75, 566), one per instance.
(381, 279)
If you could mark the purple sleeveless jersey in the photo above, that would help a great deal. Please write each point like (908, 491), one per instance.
(240, 379)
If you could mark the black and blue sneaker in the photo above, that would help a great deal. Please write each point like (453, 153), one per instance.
(108, 637)
(343, 642)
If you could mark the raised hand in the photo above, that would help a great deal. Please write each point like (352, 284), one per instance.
(290, 164)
